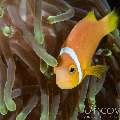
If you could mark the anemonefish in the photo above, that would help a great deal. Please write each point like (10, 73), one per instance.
(76, 54)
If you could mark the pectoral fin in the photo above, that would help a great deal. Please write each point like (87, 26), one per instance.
(97, 70)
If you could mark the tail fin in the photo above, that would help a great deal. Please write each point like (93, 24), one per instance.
(110, 22)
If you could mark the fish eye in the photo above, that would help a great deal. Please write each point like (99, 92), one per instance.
(72, 69)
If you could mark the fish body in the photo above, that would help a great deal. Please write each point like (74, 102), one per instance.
(76, 54)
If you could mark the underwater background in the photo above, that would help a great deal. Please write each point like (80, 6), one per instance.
(29, 47)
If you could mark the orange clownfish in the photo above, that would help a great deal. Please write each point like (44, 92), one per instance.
(78, 50)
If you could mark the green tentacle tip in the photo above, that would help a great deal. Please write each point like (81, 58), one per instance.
(39, 37)
(21, 116)
(51, 19)
(2, 11)
(8, 31)
(3, 110)
(43, 117)
(51, 61)
(81, 107)
(43, 67)
(109, 52)
(11, 106)
(92, 102)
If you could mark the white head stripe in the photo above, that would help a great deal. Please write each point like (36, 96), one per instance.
(73, 55)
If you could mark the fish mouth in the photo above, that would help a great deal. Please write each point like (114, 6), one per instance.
(63, 84)
(63, 80)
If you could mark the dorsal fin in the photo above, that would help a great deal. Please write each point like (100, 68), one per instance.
(91, 16)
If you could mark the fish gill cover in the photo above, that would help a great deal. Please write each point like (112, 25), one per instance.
(31, 35)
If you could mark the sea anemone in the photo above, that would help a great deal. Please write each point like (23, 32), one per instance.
(31, 35)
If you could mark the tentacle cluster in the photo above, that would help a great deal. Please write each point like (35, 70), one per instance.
(31, 34)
